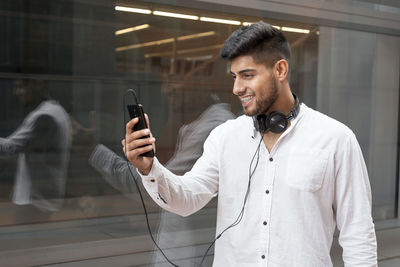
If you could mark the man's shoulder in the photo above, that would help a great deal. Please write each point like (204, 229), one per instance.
(331, 127)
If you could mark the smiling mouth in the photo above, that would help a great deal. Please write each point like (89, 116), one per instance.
(246, 99)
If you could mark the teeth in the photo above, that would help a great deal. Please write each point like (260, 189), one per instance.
(246, 99)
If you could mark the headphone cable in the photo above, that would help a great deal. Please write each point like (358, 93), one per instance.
(235, 223)
(240, 216)
(140, 193)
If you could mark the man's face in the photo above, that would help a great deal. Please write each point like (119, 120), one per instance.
(22, 93)
(255, 85)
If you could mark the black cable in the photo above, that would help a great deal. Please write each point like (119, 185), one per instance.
(147, 218)
(138, 188)
(134, 96)
(235, 223)
(240, 216)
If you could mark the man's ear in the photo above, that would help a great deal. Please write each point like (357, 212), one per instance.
(281, 69)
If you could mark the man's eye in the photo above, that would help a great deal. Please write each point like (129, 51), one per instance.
(234, 77)
(248, 75)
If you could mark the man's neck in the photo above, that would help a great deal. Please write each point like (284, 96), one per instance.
(285, 102)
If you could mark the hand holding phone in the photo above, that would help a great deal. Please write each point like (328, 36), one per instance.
(136, 111)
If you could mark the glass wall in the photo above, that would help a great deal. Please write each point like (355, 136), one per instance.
(358, 84)
(66, 194)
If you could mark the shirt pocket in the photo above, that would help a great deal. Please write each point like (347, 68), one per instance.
(306, 169)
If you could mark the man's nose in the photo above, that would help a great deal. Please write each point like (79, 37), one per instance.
(238, 87)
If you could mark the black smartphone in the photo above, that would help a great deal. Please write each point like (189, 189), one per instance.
(136, 111)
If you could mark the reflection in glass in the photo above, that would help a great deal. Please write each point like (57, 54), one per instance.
(42, 143)
(189, 147)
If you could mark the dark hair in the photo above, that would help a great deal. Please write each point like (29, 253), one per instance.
(264, 43)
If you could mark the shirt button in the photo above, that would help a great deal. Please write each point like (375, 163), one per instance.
(262, 256)
(267, 191)
(265, 222)
(271, 159)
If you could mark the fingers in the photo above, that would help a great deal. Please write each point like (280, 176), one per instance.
(136, 143)
(141, 134)
(139, 151)
(135, 153)
(148, 125)
(130, 124)
(136, 148)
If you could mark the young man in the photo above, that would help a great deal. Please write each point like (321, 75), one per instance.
(305, 171)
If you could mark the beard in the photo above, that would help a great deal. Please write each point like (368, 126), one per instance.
(264, 103)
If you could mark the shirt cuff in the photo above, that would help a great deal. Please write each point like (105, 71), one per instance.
(150, 180)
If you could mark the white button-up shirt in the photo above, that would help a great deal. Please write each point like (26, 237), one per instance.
(313, 179)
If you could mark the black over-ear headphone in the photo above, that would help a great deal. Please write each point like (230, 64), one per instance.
(276, 121)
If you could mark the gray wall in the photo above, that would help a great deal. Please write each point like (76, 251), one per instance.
(358, 84)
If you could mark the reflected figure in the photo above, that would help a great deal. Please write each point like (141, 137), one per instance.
(191, 137)
(42, 143)
(188, 148)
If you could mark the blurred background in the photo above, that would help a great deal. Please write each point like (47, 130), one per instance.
(65, 67)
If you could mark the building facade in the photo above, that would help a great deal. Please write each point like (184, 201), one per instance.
(83, 55)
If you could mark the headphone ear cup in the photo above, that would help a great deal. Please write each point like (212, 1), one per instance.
(260, 123)
(277, 122)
